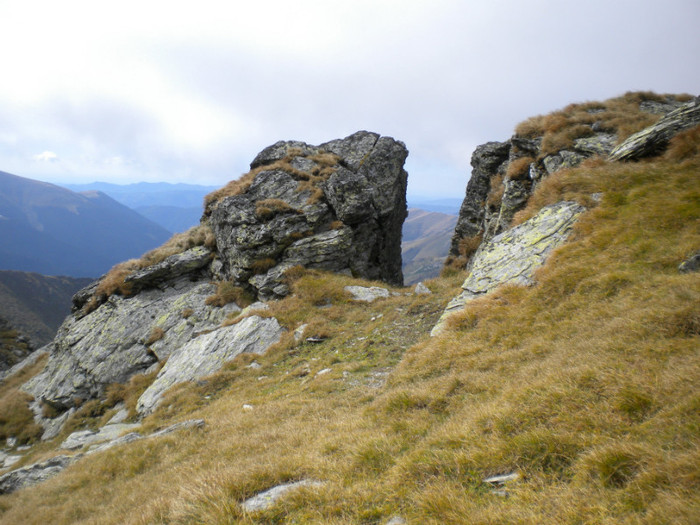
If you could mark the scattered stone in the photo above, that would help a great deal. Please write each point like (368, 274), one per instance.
(121, 415)
(299, 332)
(254, 365)
(513, 256)
(396, 520)
(10, 460)
(11, 442)
(33, 474)
(266, 499)
(692, 264)
(503, 478)
(183, 425)
(422, 289)
(247, 408)
(654, 139)
(127, 438)
(207, 353)
(315, 340)
(362, 293)
(323, 372)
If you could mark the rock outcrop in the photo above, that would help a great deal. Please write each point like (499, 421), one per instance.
(338, 207)
(33, 474)
(505, 174)
(513, 256)
(654, 139)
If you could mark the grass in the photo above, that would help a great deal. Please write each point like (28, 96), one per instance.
(585, 384)
(620, 116)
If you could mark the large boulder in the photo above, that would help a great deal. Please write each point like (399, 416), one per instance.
(338, 206)
(513, 256)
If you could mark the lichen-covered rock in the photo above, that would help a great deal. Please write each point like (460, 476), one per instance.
(655, 138)
(124, 336)
(207, 353)
(339, 206)
(514, 255)
(367, 294)
(171, 268)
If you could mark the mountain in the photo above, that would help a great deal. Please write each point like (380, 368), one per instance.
(449, 206)
(175, 207)
(549, 375)
(425, 243)
(54, 231)
(142, 194)
(37, 304)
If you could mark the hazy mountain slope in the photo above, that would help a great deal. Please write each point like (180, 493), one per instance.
(172, 218)
(150, 193)
(54, 231)
(37, 304)
(425, 243)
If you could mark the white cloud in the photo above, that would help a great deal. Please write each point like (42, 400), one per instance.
(46, 156)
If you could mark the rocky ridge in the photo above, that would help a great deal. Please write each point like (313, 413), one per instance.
(337, 207)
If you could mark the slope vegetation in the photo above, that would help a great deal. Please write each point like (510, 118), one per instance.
(582, 388)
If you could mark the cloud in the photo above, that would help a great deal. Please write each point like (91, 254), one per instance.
(46, 156)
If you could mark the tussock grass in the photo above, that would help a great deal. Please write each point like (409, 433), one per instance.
(620, 115)
(16, 419)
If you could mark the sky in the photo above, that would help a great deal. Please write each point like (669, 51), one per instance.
(190, 92)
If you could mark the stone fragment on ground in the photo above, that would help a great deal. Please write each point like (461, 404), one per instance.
(367, 294)
(82, 438)
(691, 264)
(33, 474)
(268, 498)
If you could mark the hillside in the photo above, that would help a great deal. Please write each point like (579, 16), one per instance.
(572, 399)
(54, 231)
(37, 304)
(425, 243)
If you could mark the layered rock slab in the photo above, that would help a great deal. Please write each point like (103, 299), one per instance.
(513, 256)
(207, 353)
(123, 337)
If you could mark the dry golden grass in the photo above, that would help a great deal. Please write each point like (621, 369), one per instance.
(16, 419)
(620, 116)
(585, 384)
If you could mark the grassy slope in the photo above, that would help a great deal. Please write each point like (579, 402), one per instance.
(586, 384)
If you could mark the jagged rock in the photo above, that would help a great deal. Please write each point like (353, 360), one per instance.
(119, 339)
(266, 499)
(563, 159)
(514, 255)
(692, 264)
(343, 217)
(26, 362)
(207, 353)
(655, 138)
(598, 144)
(487, 160)
(33, 474)
(368, 295)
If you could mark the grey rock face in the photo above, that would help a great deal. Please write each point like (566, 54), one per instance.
(120, 339)
(487, 160)
(514, 255)
(654, 139)
(347, 218)
(207, 353)
(34, 474)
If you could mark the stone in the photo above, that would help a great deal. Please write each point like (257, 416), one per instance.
(171, 268)
(513, 256)
(654, 139)
(487, 160)
(421, 289)
(367, 294)
(26, 362)
(599, 144)
(110, 432)
(267, 499)
(207, 353)
(691, 264)
(10, 460)
(396, 520)
(120, 416)
(344, 217)
(503, 478)
(561, 160)
(111, 344)
(33, 474)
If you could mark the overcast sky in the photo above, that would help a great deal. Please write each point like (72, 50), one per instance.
(191, 91)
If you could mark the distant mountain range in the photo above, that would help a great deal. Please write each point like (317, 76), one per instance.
(55, 231)
(426, 241)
